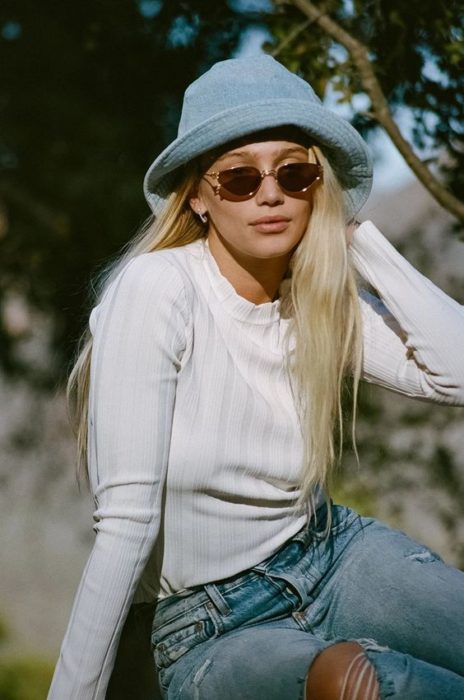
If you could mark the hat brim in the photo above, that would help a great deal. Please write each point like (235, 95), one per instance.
(340, 142)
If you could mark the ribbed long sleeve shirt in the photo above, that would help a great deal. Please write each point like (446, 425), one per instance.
(194, 440)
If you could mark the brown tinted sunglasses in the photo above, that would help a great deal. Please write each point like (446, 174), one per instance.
(243, 182)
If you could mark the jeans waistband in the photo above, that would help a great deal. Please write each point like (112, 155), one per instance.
(313, 530)
(282, 585)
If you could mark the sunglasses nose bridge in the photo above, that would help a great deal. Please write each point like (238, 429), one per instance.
(271, 191)
(272, 172)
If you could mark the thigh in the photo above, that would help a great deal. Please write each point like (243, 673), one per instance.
(388, 587)
(271, 661)
(403, 677)
(265, 661)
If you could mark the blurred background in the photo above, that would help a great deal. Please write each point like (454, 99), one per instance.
(90, 92)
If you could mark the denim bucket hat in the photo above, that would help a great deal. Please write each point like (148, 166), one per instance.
(238, 97)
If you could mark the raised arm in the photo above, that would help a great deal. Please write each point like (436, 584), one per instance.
(139, 337)
(413, 335)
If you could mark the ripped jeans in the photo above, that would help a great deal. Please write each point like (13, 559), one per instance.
(255, 635)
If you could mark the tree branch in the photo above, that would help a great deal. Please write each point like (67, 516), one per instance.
(292, 35)
(380, 107)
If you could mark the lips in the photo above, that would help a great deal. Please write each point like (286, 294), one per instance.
(269, 220)
(270, 224)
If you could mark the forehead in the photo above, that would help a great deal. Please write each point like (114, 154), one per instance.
(268, 141)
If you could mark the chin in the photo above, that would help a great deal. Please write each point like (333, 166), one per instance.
(274, 249)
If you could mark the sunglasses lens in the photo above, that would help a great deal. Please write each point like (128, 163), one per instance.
(243, 182)
(297, 177)
(240, 182)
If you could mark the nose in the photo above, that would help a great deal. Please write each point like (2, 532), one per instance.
(269, 192)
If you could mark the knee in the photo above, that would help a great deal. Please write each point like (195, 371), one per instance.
(342, 672)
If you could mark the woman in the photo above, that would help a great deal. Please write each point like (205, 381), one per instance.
(220, 348)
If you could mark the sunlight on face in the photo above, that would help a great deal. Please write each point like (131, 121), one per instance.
(271, 223)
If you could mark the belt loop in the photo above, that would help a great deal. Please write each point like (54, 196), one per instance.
(215, 596)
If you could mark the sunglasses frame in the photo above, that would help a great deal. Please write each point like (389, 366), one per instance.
(220, 189)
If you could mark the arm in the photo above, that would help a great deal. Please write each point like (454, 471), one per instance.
(413, 336)
(139, 338)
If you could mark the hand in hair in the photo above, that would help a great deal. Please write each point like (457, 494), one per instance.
(350, 229)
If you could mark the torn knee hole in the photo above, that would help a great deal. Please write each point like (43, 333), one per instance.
(342, 672)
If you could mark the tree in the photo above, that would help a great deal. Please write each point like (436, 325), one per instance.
(89, 93)
(394, 54)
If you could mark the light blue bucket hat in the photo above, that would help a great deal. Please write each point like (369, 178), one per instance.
(238, 97)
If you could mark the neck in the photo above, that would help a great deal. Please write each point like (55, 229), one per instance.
(254, 279)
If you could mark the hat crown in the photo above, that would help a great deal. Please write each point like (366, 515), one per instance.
(241, 96)
(238, 81)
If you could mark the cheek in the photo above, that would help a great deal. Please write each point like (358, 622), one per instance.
(223, 212)
(303, 216)
(218, 209)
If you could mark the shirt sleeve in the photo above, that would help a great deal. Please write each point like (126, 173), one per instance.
(139, 334)
(414, 333)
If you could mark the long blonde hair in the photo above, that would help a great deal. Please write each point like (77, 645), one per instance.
(328, 335)
(322, 302)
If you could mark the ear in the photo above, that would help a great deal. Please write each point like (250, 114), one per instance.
(196, 203)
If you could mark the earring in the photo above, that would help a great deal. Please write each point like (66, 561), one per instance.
(203, 218)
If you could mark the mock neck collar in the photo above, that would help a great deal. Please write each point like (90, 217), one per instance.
(237, 306)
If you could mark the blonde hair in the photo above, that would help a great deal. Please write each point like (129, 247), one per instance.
(326, 325)
(321, 299)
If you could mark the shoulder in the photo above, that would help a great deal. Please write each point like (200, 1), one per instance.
(161, 272)
(151, 269)
(146, 283)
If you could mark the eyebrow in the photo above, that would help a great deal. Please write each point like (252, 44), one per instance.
(247, 153)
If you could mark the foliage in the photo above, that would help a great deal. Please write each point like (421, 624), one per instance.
(25, 678)
(89, 93)
(3, 631)
(356, 495)
(417, 50)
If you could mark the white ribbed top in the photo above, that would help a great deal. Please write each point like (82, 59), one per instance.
(189, 390)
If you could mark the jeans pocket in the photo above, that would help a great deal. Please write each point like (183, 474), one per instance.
(180, 642)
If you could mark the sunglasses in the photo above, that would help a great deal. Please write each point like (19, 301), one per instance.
(243, 182)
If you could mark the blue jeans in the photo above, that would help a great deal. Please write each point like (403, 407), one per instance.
(255, 635)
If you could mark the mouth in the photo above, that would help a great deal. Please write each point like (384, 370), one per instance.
(270, 224)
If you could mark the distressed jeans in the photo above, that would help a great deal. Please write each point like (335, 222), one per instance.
(255, 635)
